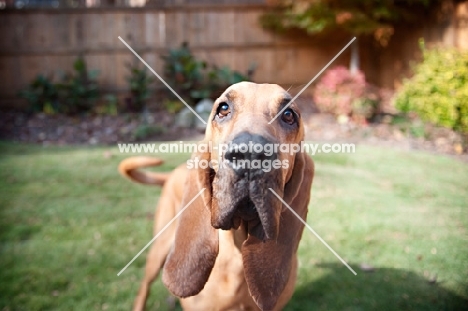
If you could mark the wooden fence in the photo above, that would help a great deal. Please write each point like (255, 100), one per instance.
(48, 41)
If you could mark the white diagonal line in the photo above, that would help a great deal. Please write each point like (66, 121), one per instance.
(161, 79)
(313, 79)
(313, 231)
(162, 230)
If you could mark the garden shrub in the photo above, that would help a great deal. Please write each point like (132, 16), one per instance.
(79, 90)
(183, 71)
(193, 79)
(218, 79)
(76, 92)
(438, 90)
(342, 93)
(42, 95)
(138, 81)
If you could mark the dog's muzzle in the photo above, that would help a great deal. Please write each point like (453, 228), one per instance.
(242, 188)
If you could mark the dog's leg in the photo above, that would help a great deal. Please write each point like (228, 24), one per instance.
(158, 252)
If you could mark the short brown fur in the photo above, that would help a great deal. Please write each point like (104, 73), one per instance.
(212, 269)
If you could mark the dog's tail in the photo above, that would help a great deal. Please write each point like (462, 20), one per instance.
(129, 168)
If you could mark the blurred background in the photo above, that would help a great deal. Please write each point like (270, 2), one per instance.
(70, 90)
(60, 60)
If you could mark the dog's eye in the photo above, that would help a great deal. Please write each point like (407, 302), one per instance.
(223, 110)
(288, 116)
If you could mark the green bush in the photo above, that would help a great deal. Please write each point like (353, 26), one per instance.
(217, 80)
(79, 91)
(438, 91)
(145, 130)
(139, 81)
(193, 80)
(110, 105)
(183, 72)
(42, 95)
(76, 92)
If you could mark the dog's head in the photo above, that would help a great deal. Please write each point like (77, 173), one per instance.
(250, 154)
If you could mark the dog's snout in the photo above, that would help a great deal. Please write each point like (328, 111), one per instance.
(247, 147)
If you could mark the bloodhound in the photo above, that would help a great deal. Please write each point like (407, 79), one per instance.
(235, 246)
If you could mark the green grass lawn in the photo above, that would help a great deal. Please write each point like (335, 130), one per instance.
(69, 223)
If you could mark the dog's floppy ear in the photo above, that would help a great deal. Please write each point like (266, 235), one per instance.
(268, 264)
(195, 248)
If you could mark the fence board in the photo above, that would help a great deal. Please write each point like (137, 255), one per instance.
(48, 41)
(155, 32)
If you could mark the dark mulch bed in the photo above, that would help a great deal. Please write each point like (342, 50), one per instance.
(108, 130)
(322, 127)
(90, 129)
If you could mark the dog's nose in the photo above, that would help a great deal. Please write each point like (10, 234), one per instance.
(249, 151)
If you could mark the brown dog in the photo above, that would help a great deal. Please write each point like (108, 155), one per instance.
(250, 264)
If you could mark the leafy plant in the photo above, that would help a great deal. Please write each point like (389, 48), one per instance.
(410, 125)
(342, 93)
(139, 82)
(109, 106)
(79, 91)
(42, 95)
(173, 106)
(194, 80)
(374, 17)
(218, 79)
(438, 90)
(371, 18)
(182, 71)
(145, 130)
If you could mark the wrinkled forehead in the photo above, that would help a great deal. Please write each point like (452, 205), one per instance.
(257, 96)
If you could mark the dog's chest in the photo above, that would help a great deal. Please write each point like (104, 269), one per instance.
(226, 288)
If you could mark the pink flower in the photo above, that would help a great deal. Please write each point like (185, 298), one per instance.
(339, 89)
